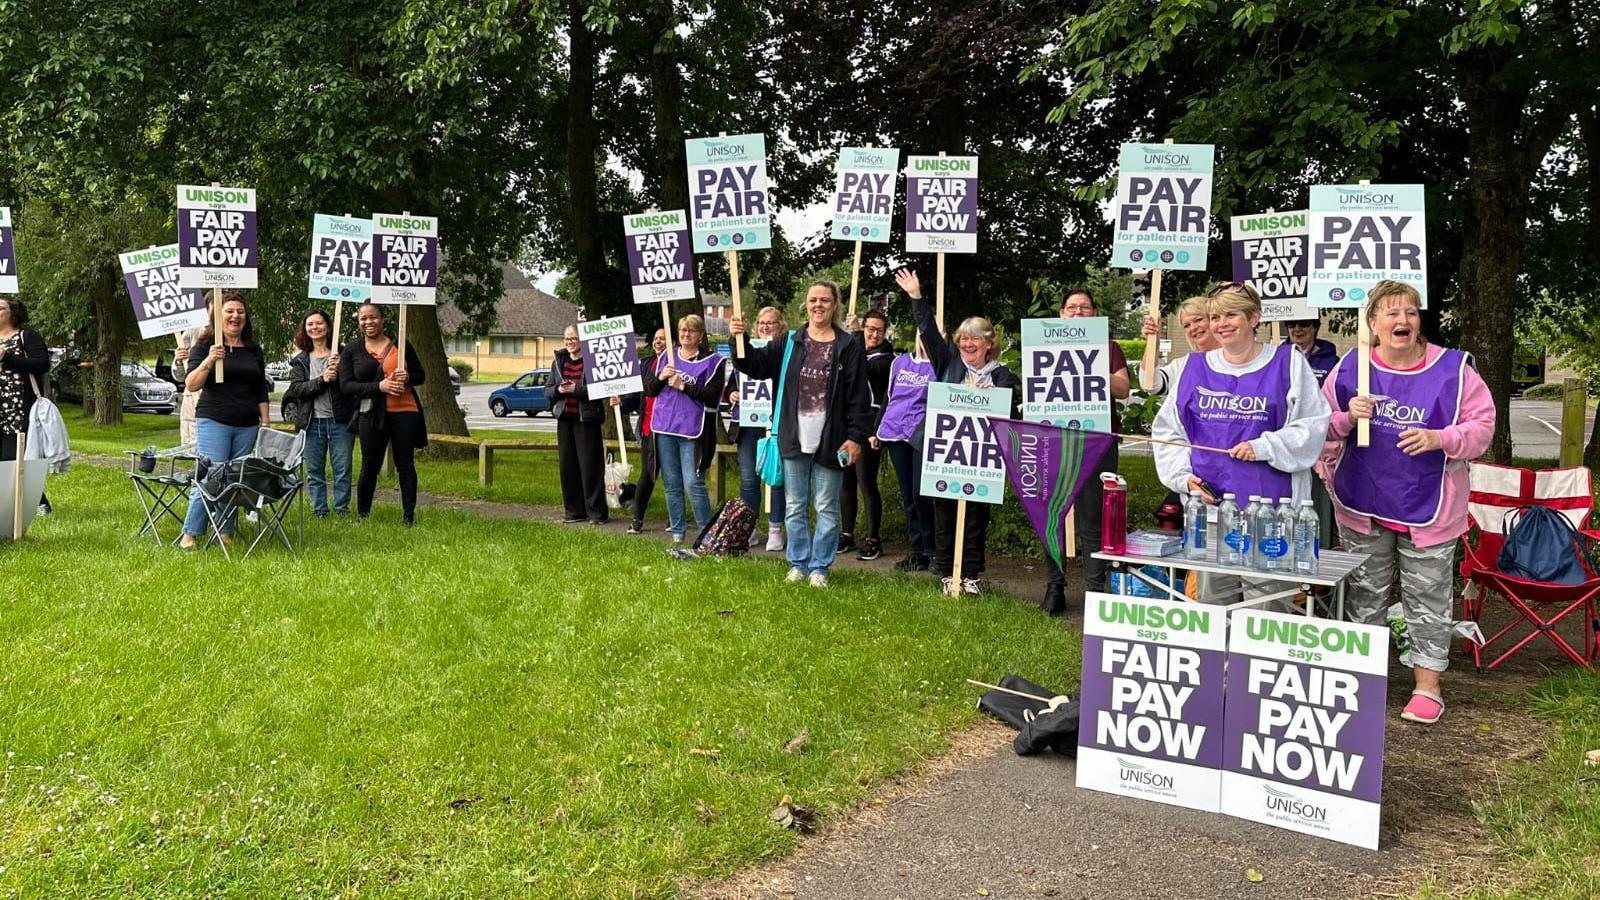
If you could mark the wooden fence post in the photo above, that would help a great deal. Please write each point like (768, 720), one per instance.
(1574, 400)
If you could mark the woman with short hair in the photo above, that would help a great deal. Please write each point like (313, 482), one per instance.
(382, 380)
(580, 446)
(687, 387)
(1402, 500)
(1194, 317)
(322, 412)
(229, 413)
(769, 327)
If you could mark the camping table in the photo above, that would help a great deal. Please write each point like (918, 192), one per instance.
(160, 492)
(1334, 567)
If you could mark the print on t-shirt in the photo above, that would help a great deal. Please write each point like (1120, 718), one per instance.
(816, 369)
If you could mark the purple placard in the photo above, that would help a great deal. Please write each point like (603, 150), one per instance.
(660, 256)
(1113, 694)
(610, 357)
(217, 237)
(942, 204)
(405, 258)
(8, 254)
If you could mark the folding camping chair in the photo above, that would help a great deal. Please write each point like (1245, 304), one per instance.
(1498, 491)
(267, 482)
(163, 488)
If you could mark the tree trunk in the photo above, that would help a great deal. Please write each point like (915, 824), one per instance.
(440, 403)
(671, 171)
(583, 211)
(103, 399)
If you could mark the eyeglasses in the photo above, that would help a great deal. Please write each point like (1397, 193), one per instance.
(1225, 287)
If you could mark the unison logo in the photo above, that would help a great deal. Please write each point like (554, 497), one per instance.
(1222, 400)
(723, 151)
(1397, 412)
(1133, 773)
(1285, 802)
(1166, 159)
(1365, 198)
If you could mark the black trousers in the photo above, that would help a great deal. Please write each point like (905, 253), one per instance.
(944, 538)
(8, 452)
(581, 452)
(919, 509)
(400, 434)
(863, 476)
(647, 476)
(1087, 510)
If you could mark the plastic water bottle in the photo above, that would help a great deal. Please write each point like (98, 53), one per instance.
(1252, 533)
(1307, 540)
(1194, 527)
(1235, 546)
(1274, 539)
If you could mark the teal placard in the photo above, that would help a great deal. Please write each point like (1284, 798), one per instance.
(1162, 215)
(1066, 372)
(961, 457)
(729, 208)
(1362, 234)
(341, 259)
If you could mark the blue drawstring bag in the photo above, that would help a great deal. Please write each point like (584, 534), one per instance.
(1542, 545)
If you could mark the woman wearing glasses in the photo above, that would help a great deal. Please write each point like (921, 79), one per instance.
(1262, 404)
(580, 448)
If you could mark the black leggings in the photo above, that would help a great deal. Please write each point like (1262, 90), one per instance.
(865, 475)
(975, 538)
(647, 476)
(8, 452)
(400, 434)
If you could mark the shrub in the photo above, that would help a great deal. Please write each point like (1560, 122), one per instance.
(463, 367)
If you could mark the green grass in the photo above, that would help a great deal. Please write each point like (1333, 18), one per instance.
(470, 708)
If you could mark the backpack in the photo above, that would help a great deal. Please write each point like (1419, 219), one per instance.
(1541, 545)
(729, 531)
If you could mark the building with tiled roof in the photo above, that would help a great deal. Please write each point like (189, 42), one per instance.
(527, 330)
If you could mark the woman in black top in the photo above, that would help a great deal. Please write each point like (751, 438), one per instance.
(388, 411)
(322, 411)
(24, 362)
(230, 413)
(874, 331)
(580, 447)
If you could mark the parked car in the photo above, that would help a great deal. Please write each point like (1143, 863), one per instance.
(278, 371)
(525, 395)
(287, 407)
(142, 391)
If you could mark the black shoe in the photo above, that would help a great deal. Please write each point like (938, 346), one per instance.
(409, 521)
(847, 542)
(636, 527)
(871, 549)
(573, 520)
(916, 562)
(599, 521)
(1055, 603)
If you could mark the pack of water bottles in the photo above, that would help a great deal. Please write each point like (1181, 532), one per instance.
(1280, 540)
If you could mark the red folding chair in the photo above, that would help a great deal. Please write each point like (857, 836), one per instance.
(1498, 491)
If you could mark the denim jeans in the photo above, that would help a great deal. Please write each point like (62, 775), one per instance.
(679, 472)
(750, 478)
(327, 439)
(218, 443)
(805, 481)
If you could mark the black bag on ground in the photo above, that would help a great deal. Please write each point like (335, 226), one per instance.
(1039, 727)
(729, 531)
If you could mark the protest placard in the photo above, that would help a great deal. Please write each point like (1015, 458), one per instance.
(1066, 372)
(1150, 718)
(610, 357)
(941, 204)
(1303, 729)
(1161, 217)
(405, 259)
(1269, 254)
(1362, 234)
(660, 267)
(160, 306)
(755, 397)
(8, 254)
(217, 237)
(341, 259)
(728, 203)
(961, 455)
(863, 194)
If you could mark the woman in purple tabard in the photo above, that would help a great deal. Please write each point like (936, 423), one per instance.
(686, 389)
(905, 405)
(1403, 498)
(1260, 402)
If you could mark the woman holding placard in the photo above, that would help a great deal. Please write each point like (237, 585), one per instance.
(649, 459)
(820, 418)
(769, 325)
(687, 386)
(228, 414)
(971, 359)
(388, 415)
(24, 363)
(1403, 499)
(1194, 317)
(1260, 403)
(580, 446)
(322, 411)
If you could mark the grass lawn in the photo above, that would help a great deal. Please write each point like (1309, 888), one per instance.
(470, 708)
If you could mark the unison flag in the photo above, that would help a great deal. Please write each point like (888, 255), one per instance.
(1047, 465)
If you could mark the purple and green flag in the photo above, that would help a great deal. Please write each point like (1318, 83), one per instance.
(1048, 465)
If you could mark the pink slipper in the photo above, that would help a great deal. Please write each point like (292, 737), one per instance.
(1425, 707)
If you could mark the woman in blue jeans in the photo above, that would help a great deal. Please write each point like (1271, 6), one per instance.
(322, 411)
(769, 325)
(229, 412)
(687, 386)
(824, 419)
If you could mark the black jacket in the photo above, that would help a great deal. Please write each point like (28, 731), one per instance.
(33, 363)
(588, 410)
(359, 376)
(948, 367)
(849, 415)
(305, 389)
(878, 363)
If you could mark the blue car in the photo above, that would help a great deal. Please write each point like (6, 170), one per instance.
(526, 394)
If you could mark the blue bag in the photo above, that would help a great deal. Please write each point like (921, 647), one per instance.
(769, 463)
(1543, 546)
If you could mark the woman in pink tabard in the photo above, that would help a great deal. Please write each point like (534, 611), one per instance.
(687, 388)
(1403, 498)
(1260, 402)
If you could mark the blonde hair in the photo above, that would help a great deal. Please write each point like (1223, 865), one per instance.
(1194, 306)
(1388, 290)
(770, 309)
(693, 322)
(1232, 297)
(979, 327)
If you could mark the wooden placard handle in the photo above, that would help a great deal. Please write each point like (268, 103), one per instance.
(1363, 366)
(1152, 347)
(217, 339)
(961, 533)
(622, 437)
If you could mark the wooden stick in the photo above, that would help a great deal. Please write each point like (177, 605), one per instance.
(666, 325)
(961, 532)
(1071, 536)
(1363, 367)
(938, 292)
(1006, 690)
(16, 494)
(1152, 347)
(855, 279)
(216, 328)
(401, 362)
(1277, 336)
(733, 279)
(622, 438)
(1187, 446)
(338, 314)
